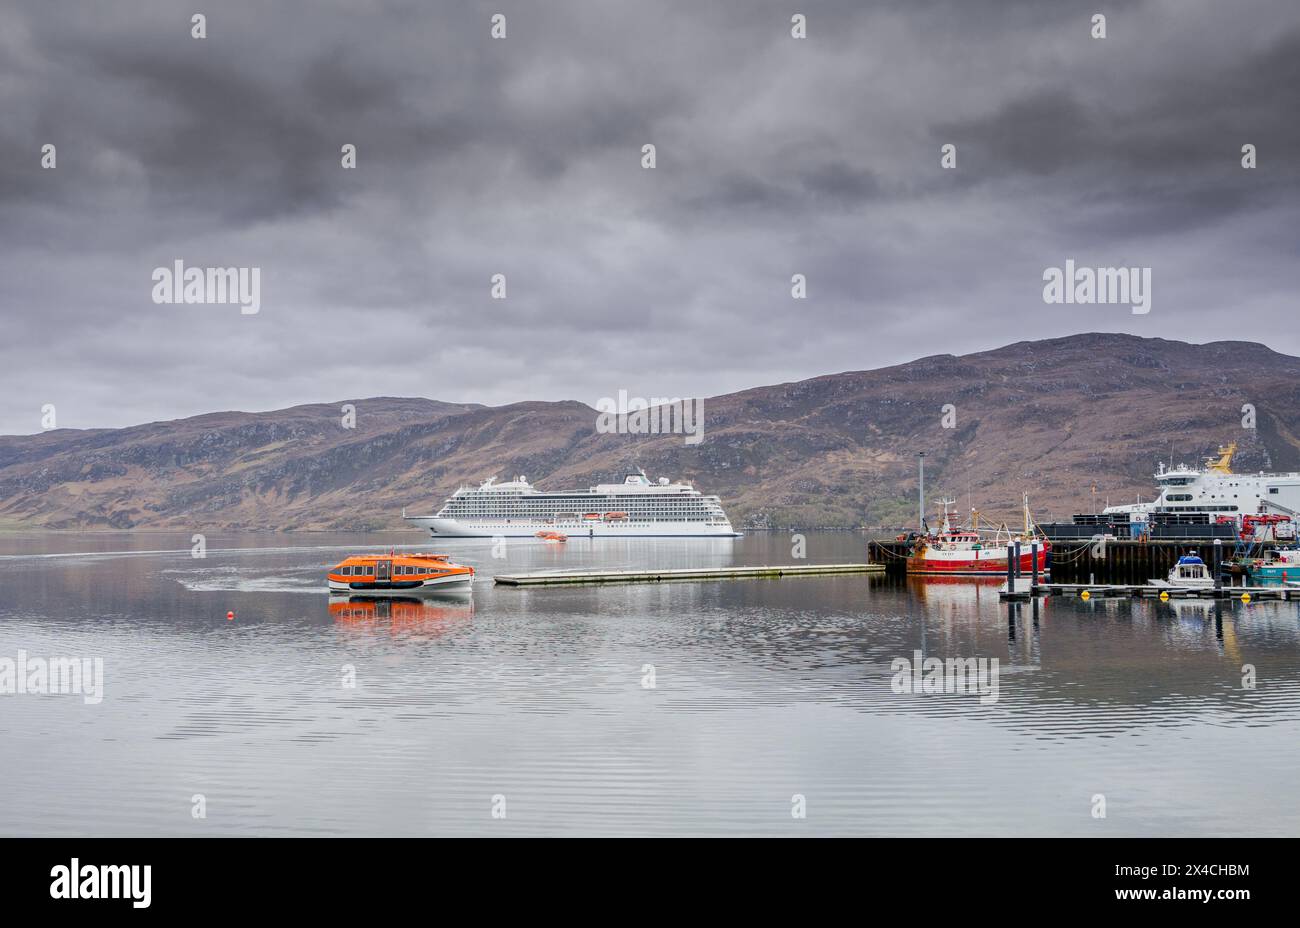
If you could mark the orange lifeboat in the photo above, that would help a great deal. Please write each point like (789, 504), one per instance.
(616, 517)
(404, 574)
(591, 515)
(552, 536)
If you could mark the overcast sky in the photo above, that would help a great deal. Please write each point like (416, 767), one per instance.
(522, 156)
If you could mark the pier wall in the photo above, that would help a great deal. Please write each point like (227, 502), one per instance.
(1122, 561)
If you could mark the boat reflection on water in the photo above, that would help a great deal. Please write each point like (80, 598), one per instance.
(955, 592)
(426, 616)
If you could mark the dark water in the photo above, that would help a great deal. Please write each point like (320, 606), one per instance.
(764, 689)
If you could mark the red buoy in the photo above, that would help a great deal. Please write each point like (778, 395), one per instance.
(230, 616)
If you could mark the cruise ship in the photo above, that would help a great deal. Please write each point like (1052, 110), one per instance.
(635, 507)
(1214, 493)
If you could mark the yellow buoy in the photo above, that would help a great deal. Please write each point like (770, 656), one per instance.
(1085, 595)
(1245, 597)
(1164, 597)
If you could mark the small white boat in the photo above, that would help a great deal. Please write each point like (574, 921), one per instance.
(1189, 573)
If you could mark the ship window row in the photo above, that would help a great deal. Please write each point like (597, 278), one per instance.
(578, 500)
(538, 509)
(570, 517)
(399, 570)
(603, 508)
(590, 497)
(586, 505)
(552, 510)
(593, 521)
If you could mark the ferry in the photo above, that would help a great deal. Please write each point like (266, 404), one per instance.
(636, 507)
(1214, 493)
(967, 552)
(398, 574)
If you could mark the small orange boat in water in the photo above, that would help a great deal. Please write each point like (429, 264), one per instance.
(387, 574)
(552, 536)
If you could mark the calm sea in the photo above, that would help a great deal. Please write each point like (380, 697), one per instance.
(679, 708)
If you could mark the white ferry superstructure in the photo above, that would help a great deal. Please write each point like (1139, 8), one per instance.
(634, 508)
(1217, 492)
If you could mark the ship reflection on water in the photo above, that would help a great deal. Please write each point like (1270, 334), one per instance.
(955, 591)
(418, 616)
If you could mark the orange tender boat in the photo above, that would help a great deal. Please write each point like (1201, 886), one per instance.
(404, 574)
(552, 536)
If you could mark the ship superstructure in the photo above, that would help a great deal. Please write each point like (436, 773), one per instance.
(1212, 492)
(635, 507)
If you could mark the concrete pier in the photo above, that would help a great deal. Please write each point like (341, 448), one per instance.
(653, 575)
(1023, 590)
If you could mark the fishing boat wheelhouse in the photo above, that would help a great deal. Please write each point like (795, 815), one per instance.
(398, 573)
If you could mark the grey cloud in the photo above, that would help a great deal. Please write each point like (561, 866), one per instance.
(522, 157)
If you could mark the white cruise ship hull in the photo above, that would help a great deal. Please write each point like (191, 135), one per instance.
(440, 527)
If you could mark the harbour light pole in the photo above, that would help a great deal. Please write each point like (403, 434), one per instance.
(920, 522)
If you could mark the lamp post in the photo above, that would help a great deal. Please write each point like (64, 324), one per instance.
(920, 522)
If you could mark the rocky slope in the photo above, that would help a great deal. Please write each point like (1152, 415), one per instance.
(1048, 417)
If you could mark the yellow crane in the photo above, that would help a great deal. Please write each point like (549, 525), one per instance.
(1222, 464)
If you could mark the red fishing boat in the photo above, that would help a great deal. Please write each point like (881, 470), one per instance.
(970, 552)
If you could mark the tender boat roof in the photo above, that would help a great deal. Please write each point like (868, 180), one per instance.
(372, 558)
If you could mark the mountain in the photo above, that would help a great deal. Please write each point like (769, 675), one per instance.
(1051, 418)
